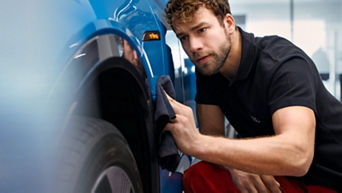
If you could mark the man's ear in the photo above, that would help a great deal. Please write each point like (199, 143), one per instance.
(229, 22)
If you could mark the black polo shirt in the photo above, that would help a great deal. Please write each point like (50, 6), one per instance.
(273, 74)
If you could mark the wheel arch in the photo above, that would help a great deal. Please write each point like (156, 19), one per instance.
(100, 28)
(83, 80)
(116, 92)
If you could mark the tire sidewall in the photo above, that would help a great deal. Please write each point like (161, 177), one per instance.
(91, 146)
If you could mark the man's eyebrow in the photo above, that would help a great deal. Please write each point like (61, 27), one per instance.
(198, 26)
(193, 28)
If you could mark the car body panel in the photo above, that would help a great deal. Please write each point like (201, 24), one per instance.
(39, 42)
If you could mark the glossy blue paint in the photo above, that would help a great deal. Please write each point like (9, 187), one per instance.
(126, 18)
(38, 38)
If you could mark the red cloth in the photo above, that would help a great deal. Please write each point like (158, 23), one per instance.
(205, 177)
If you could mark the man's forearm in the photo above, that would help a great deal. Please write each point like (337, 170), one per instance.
(268, 155)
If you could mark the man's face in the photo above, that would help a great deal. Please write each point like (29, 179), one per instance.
(205, 40)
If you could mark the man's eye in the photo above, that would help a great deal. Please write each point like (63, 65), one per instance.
(202, 30)
(183, 38)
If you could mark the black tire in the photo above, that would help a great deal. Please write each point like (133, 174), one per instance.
(95, 158)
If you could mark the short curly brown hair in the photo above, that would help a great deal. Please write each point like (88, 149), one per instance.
(183, 10)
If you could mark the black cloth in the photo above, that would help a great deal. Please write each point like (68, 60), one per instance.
(168, 151)
(273, 74)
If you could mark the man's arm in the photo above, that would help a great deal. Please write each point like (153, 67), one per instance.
(211, 122)
(289, 152)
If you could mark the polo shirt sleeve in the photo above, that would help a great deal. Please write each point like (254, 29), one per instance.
(208, 90)
(293, 84)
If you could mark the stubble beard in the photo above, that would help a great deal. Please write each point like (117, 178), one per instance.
(218, 59)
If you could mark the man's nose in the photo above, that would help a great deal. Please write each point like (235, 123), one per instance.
(195, 44)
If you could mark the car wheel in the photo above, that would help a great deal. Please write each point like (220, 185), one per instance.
(96, 158)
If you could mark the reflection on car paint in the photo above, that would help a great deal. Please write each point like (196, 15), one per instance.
(131, 55)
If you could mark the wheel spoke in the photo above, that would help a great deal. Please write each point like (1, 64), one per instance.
(113, 180)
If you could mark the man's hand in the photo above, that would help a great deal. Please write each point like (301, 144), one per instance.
(183, 127)
(253, 183)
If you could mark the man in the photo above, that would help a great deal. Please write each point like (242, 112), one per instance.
(289, 126)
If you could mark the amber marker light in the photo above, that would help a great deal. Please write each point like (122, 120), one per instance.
(151, 35)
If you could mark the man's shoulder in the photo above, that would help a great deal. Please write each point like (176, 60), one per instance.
(271, 49)
(277, 50)
(267, 41)
(279, 47)
(275, 45)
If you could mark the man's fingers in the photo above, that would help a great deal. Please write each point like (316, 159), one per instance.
(168, 127)
(259, 185)
(271, 183)
(248, 182)
(168, 97)
(175, 105)
(171, 126)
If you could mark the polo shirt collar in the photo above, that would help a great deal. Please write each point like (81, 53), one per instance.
(248, 56)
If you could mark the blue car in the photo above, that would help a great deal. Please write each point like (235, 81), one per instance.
(78, 88)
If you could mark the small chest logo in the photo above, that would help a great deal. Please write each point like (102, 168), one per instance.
(256, 120)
